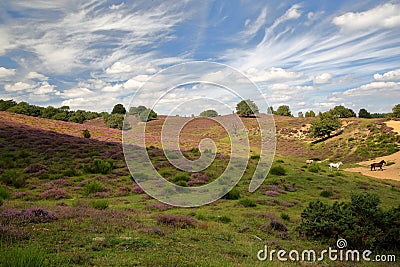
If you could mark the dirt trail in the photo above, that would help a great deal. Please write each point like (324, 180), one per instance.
(389, 172)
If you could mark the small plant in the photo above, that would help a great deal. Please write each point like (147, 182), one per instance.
(279, 161)
(99, 166)
(93, 187)
(70, 172)
(99, 204)
(176, 221)
(12, 177)
(278, 225)
(4, 193)
(195, 150)
(255, 157)
(233, 194)
(314, 168)
(278, 170)
(247, 202)
(285, 216)
(326, 193)
(86, 133)
(181, 177)
(1, 202)
(182, 183)
(224, 219)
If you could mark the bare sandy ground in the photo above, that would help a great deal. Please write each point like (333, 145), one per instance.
(389, 172)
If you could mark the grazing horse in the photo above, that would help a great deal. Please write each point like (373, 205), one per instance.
(378, 164)
(309, 161)
(335, 165)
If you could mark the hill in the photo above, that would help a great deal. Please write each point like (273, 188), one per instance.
(71, 201)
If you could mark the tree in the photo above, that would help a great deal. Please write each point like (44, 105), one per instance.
(326, 124)
(284, 110)
(118, 109)
(209, 113)
(363, 113)
(300, 114)
(6, 104)
(396, 111)
(310, 114)
(343, 112)
(147, 115)
(114, 121)
(137, 110)
(246, 108)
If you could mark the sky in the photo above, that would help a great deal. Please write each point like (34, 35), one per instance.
(310, 55)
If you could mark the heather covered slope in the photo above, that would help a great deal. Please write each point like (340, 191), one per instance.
(71, 202)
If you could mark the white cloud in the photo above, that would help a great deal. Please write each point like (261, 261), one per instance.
(116, 7)
(35, 75)
(393, 75)
(273, 74)
(77, 92)
(388, 89)
(287, 88)
(323, 78)
(252, 28)
(113, 88)
(119, 67)
(6, 72)
(18, 86)
(292, 13)
(384, 16)
(45, 88)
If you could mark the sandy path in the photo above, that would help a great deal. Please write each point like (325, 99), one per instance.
(389, 172)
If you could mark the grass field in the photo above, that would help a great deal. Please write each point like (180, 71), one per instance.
(70, 201)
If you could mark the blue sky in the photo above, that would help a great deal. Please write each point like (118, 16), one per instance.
(308, 55)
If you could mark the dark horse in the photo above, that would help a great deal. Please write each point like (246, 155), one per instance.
(379, 164)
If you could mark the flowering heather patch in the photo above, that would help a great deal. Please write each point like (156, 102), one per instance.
(36, 167)
(199, 178)
(33, 215)
(99, 195)
(56, 184)
(154, 230)
(137, 189)
(13, 233)
(276, 188)
(158, 206)
(55, 193)
(271, 193)
(176, 221)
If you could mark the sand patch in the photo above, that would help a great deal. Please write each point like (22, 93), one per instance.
(395, 125)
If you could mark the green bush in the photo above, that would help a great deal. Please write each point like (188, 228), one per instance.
(278, 170)
(233, 194)
(181, 183)
(181, 177)
(4, 193)
(99, 166)
(285, 216)
(247, 202)
(326, 193)
(86, 133)
(314, 168)
(93, 187)
(224, 219)
(13, 178)
(360, 222)
(99, 204)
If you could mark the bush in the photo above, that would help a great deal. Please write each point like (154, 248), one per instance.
(233, 194)
(278, 225)
(247, 202)
(326, 193)
(224, 219)
(86, 133)
(182, 183)
(181, 177)
(35, 168)
(93, 187)
(285, 216)
(55, 193)
(100, 204)
(176, 221)
(12, 177)
(99, 166)
(314, 168)
(278, 170)
(4, 193)
(360, 222)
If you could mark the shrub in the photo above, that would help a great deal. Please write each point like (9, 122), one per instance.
(247, 202)
(182, 183)
(55, 193)
(224, 219)
(278, 170)
(181, 177)
(36, 167)
(326, 193)
(314, 168)
(285, 216)
(99, 204)
(280, 161)
(176, 221)
(255, 157)
(233, 194)
(70, 172)
(278, 225)
(93, 187)
(12, 177)
(99, 166)
(4, 193)
(86, 133)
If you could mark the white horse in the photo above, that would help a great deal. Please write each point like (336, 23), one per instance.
(335, 165)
